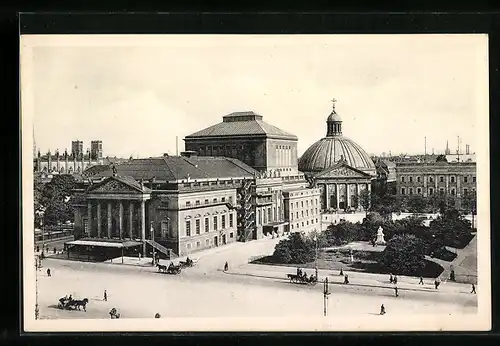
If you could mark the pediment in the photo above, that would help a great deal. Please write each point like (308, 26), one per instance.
(113, 186)
(343, 171)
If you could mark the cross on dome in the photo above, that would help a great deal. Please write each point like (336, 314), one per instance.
(334, 100)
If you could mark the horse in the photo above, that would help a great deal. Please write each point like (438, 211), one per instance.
(293, 277)
(79, 303)
(161, 268)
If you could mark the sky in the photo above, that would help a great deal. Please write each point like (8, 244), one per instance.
(137, 93)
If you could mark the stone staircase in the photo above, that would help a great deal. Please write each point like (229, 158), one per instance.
(168, 252)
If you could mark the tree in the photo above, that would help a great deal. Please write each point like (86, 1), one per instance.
(469, 204)
(451, 229)
(296, 249)
(38, 198)
(441, 158)
(417, 204)
(56, 198)
(404, 255)
(365, 199)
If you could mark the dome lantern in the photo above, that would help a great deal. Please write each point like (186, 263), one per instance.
(333, 123)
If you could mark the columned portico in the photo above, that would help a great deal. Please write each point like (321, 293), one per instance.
(347, 196)
(337, 191)
(115, 193)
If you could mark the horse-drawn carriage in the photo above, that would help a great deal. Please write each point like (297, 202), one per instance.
(187, 263)
(171, 269)
(68, 303)
(302, 279)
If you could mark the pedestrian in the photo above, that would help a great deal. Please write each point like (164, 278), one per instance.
(55, 250)
(48, 271)
(391, 279)
(226, 267)
(436, 284)
(346, 279)
(382, 309)
(341, 272)
(421, 282)
(298, 271)
(396, 291)
(452, 275)
(105, 296)
(38, 248)
(395, 280)
(473, 289)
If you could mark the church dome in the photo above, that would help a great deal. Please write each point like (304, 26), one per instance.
(333, 149)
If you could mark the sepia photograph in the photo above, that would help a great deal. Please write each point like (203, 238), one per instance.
(255, 183)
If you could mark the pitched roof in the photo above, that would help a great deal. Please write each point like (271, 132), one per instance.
(243, 124)
(171, 168)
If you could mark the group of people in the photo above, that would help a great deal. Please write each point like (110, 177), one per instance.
(303, 275)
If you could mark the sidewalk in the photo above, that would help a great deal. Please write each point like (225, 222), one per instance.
(355, 278)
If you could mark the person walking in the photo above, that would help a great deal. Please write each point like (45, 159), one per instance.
(226, 267)
(395, 280)
(473, 289)
(421, 282)
(391, 279)
(341, 272)
(436, 284)
(396, 291)
(382, 309)
(48, 271)
(346, 279)
(105, 296)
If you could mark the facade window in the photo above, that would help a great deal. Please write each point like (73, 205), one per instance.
(302, 204)
(231, 235)
(188, 204)
(197, 223)
(410, 190)
(215, 200)
(418, 179)
(465, 179)
(307, 212)
(302, 223)
(307, 222)
(223, 199)
(206, 201)
(188, 228)
(292, 225)
(403, 191)
(316, 220)
(297, 225)
(441, 179)
(307, 204)
(231, 199)
(441, 191)
(316, 210)
(466, 192)
(230, 220)
(431, 179)
(473, 179)
(453, 192)
(302, 213)
(297, 215)
(402, 179)
(431, 191)
(419, 191)
(269, 215)
(215, 223)
(197, 202)
(411, 179)
(223, 221)
(296, 204)
(207, 225)
(197, 244)
(452, 179)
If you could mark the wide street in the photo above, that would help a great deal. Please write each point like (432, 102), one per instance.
(206, 291)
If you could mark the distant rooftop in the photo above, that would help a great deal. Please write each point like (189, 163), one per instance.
(242, 124)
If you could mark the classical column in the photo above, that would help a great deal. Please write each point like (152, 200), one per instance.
(131, 220)
(120, 219)
(425, 185)
(458, 192)
(447, 180)
(357, 196)
(337, 191)
(89, 218)
(436, 183)
(109, 220)
(143, 226)
(347, 197)
(327, 196)
(98, 219)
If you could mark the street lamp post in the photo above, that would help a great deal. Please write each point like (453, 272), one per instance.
(316, 255)
(326, 293)
(36, 289)
(152, 240)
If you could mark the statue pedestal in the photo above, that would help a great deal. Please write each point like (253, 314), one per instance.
(380, 237)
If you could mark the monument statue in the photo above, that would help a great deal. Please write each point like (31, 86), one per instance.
(380, 237)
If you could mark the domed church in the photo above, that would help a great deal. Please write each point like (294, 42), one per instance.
(339, 167)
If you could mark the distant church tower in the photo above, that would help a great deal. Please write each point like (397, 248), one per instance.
(447, 150)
